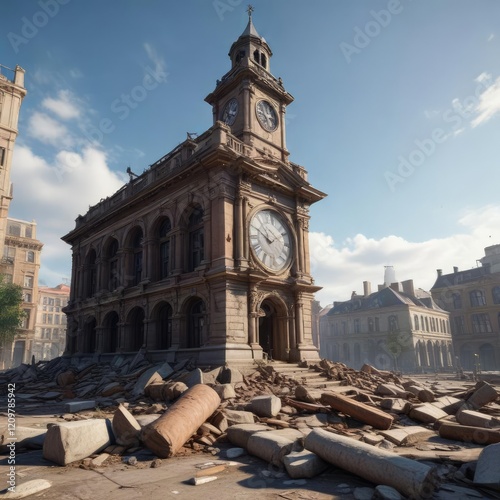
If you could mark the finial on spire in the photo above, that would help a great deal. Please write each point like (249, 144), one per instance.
(250, 10)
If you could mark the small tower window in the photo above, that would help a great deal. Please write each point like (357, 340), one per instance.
(263, 60)
(256, 56)
(239, 56)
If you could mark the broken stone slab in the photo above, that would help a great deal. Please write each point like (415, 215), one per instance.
(265, 406)
(477, 419)
(484, 394)
(225, 391)
(448, 404)
(408, 435)
(383, 492)
(69, 441)
(391, 390)
(65, 378)
(424, 395)
(372, 439)
(144, 420)
(272, 446)
(239, 417)
(166, 436)
(75, 406)
(173, 390)
(211, 376)
(468, 434)
(488, 467)
(360, 411)
(304, 394)
(239, 434)
(219, 420)
(191, 378)
(147, 377)
(396, 405)
(25, 437)
(409, 477)
(26, 489)
(427, 413)
(125, 427)
(304, 464)
(317, 420)
(99, 460)
(111, 388)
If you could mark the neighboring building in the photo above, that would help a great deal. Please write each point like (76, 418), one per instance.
(50, 327)
(206, 254)
(395, 328)
(473, 299)
(12, 92)
(20, 265)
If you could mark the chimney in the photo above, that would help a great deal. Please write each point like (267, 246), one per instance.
(353, 294)
(367, 288)
(408, 287)
(395, 286)
(455, 269)
(440, 272)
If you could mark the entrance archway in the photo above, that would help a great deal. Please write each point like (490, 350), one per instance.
(273, 330)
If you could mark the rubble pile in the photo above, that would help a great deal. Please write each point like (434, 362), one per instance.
(410, 436)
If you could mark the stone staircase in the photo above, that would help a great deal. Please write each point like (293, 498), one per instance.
(305, 376)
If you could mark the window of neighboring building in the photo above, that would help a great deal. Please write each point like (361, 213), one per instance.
(336, 329)
(477, 298)
(357, 325)
(49, 319)
(28, 281)
(9, 254)
(196, 239)
(28, 232)
(14, 229)
(346, 352)
(415, 320)
(496, 294)
(57, 302)
(7, 278)
(2, 157)
(481, 323)
(30, 256)
(459, 324)
(165, 229)
(27, 297)
(25, 321)
(457, 301)
(377, 326)
(392, 323)
(113, 265)
(371, 325)
(56, 319)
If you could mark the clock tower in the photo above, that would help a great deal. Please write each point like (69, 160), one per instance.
(249, 99)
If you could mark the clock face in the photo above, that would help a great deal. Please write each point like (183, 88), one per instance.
(266, 115)
(270, 239)
(230, 112)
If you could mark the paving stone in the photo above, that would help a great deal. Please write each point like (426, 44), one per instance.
(70, 441)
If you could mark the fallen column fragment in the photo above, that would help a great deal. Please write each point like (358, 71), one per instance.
(411, 478)
(476, 419)
(360, 411)
(481, 396)
(469, 434)
(239, 434)
(272, 446)
(304, 464)
(166, 435)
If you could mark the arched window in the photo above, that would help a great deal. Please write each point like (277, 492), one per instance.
(196, 239)
(393, 325)
(427, 325)
(164, 238)
(370, 325)
(30, 256)
(91, 274)
(477, 298)
(196, 323)
(415, 320)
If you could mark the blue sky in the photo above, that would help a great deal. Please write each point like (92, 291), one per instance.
(396, 117)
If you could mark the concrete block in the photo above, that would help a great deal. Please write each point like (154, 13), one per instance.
(407, 435)
(304, 464)
(239, 417)
(71, 441)
(488, 467)
(265, 406)
(427, 413)
(125, 427)
(475, 418)
(26, 437)
(271, 446)
(75, 406)
(240, 434)
(225, 391)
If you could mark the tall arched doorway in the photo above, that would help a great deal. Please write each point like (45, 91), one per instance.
(273, 330)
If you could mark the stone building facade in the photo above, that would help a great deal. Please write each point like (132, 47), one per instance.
(206, 254)
(472, 298)
(50, 328)
(396, 328)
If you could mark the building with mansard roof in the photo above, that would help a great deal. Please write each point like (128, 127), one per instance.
(206, 254)
(472, 298)
(397, 327)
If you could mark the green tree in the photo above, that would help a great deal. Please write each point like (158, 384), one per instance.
(11, 313)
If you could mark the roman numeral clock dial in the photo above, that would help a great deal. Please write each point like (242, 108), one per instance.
(270, 240)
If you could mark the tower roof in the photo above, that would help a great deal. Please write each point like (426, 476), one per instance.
(250, 30)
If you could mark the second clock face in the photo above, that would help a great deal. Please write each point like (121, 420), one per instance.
(270, 239)
(266, 114)
(230, 112)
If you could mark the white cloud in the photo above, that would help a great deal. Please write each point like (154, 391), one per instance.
(48, 131)
(65, 106)
(55, 195)
(489, 104)
(341, 269)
